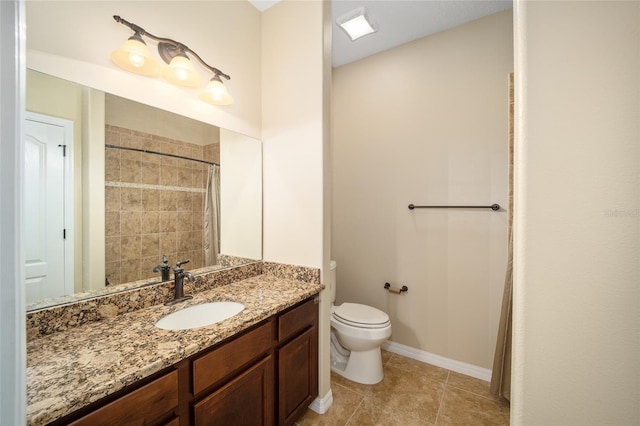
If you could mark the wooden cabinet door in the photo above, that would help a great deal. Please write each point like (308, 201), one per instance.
(297, 376)
(246, 400)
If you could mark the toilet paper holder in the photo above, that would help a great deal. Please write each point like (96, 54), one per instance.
(396, 290)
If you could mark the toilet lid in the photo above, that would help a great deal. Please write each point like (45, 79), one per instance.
(358, 314)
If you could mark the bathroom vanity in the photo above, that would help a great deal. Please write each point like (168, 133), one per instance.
(258, 367)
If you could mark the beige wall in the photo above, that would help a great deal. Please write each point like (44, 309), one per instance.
(292, 131)
(93, 190)
(294, 121)
(124, 113)
(240, 195)
(73, 40)
(577, 214)
(426, 123)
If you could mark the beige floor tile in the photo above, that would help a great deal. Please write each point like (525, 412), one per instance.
(359, 388)
(418, 367)
(470, 384)
(386, 356)
(345, 403)
(374, 412)
(411, 393)
(408, 393)
(464, 408)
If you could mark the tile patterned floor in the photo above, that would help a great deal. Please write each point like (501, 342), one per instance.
(412, 393)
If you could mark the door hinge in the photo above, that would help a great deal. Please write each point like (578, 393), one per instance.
(64, 150)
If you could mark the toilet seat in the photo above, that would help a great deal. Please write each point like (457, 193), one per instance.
(361, 316)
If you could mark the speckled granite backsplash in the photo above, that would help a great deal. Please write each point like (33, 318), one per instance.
(292, 272)
(61, 318)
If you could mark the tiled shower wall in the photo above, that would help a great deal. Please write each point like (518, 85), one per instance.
(154, 204)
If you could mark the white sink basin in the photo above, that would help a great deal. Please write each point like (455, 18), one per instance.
(200, 315)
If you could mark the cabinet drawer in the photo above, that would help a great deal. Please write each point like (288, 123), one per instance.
(212, 367)
(141, 407)
(297, 319)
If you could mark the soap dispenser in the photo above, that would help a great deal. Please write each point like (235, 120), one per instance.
(164, 267)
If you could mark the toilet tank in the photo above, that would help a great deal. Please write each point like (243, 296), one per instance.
(332, 279)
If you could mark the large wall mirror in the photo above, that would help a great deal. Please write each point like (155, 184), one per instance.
(114, 186)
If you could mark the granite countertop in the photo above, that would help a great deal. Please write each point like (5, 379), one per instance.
(68, 370)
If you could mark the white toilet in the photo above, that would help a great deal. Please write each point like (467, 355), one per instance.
(357, 332)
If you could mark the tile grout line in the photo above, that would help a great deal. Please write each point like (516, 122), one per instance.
(444, 389)
(365, 394)
(446, 381)
(474, 393)
(354, 411)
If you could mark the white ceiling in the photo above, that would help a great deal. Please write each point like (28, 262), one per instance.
(399, 22)
(263, 5)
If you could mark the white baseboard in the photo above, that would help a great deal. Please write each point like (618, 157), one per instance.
(438, 361)
(321, 405)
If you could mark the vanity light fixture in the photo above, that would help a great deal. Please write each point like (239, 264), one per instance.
(134, 56)
(216, 93)
(181, 71)
(357, 23)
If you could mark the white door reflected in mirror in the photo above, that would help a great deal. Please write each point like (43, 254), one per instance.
(48, 209)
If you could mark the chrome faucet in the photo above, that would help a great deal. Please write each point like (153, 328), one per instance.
(179, 276)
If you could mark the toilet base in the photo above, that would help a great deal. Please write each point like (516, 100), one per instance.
(361, 366)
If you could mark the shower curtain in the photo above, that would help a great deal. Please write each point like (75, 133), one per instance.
(501, 375)
(212, 217)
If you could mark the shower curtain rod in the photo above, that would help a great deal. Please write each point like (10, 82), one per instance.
(160, 153)
(494, 207)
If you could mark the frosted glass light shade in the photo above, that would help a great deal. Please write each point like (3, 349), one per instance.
(181, 72)
(216, 93)
(134, 56)
(357, 24)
